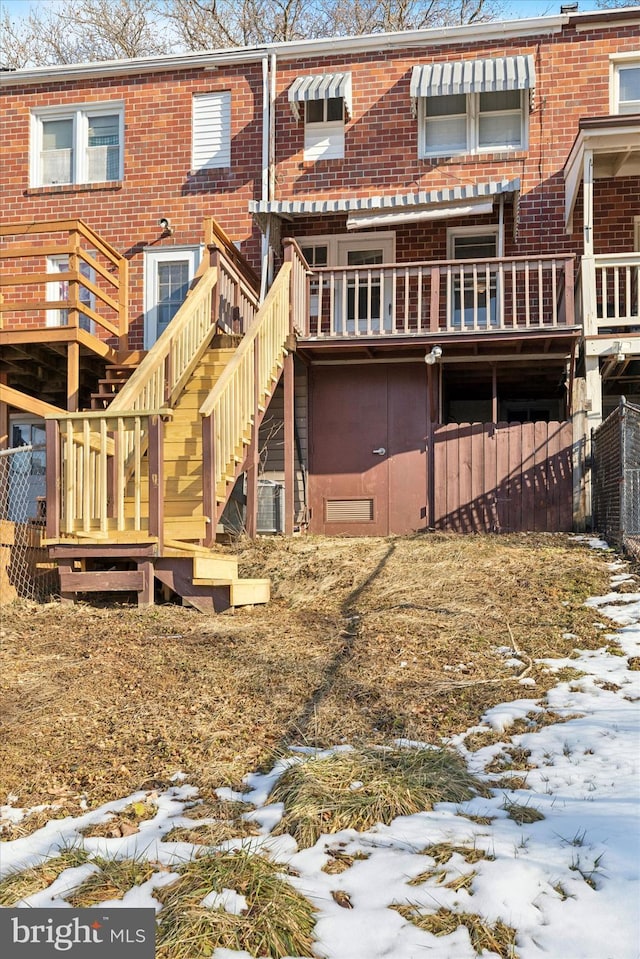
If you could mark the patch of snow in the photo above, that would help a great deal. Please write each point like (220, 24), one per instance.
(229, 900)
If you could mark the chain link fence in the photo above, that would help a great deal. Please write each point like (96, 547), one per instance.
(616, 478)
(25, 570)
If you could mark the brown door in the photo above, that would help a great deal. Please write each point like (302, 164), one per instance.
(368, 470)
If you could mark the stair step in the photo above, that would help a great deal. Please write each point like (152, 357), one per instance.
(185, 527)
(249, 592)
(102, 581)
(221, 566)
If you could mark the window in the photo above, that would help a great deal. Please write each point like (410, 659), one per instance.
(324, 129)
(627, 88)
(77, 145)
(59, 290)
(211, 131)
(327, 102)
(472, 123)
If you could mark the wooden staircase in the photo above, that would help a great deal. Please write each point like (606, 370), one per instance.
(135, 491)
(115, 377)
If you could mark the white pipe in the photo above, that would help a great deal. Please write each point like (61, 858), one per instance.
(264, 257)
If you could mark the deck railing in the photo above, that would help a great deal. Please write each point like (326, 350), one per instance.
(515, 293)
(617, 282)
(100, 484)
(95, 279)
(219, 299)
(248, 381)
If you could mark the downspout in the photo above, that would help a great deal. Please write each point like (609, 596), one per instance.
(271, 185)
(265, 174)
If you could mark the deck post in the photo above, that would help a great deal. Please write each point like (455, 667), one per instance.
(73, 376)
(4, 415)
(253, 455)
(156, 480)
(289, 444)
(209, 502)
(53, 478)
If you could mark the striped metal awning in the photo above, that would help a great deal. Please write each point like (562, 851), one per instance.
(425, 199)
(473, 76)
(323, 86)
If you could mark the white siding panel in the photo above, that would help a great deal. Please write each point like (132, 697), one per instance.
(324, 141)
(211, 131)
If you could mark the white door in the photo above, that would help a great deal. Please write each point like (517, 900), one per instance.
(473, 304)
(168, 274)
(59, 290)
(366, 303)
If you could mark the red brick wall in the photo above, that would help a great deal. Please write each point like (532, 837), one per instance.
(157, 180)
(381, 151)
(381, 138)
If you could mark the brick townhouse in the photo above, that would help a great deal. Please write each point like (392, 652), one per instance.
(434, 236)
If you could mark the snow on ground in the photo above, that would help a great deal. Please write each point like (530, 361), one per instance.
(568, 883)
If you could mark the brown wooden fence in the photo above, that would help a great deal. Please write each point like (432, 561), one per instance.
(502, 477)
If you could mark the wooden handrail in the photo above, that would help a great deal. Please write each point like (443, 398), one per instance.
(175, 353)
(216, 236)
(79, 232)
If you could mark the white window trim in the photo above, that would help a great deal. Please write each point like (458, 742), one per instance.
(473, 114)
(492, 229)
(326, 128)
(336, 243)
(56, 317)
(79, 113)
(617, 62)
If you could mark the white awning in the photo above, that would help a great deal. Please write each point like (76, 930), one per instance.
(323, 86)
(445, 211)
(473, 76)
(458, 196)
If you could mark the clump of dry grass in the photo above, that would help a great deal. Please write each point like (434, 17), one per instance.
(114, 878)
(340, 861)
(278, 921)
(513, 758)
(218, 809)
(214, 833)
(20, 884)
(522, 814)
(356, 789)
(442, 852)
(124, 823)
(497, 938)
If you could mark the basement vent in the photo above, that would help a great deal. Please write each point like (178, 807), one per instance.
(349, 511)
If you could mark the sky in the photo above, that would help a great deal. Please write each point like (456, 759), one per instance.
(513, 8)
(567, 882)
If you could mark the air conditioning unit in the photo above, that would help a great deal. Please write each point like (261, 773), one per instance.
(270, 507)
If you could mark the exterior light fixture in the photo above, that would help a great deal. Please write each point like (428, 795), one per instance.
(165, 225)
(433, 356)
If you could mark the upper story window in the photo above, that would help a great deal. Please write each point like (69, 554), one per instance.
(626, 89)
(77, 145)
(327, 104)
(473, 122)
(472, 106)
(211, 141)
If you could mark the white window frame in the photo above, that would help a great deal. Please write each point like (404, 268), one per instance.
(79, 115)
(58, 290)
(473, 114)
(491, 229)
(620, 62)
(325, 129)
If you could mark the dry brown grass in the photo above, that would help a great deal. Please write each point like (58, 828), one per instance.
(359, 788)
(212, 834)
(498, 938)
(19, 885)
(123, 823)
(114, 878)
(278, 921)
(99, 702)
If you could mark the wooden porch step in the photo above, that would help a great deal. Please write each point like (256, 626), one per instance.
(185, 527)
(215, 567)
